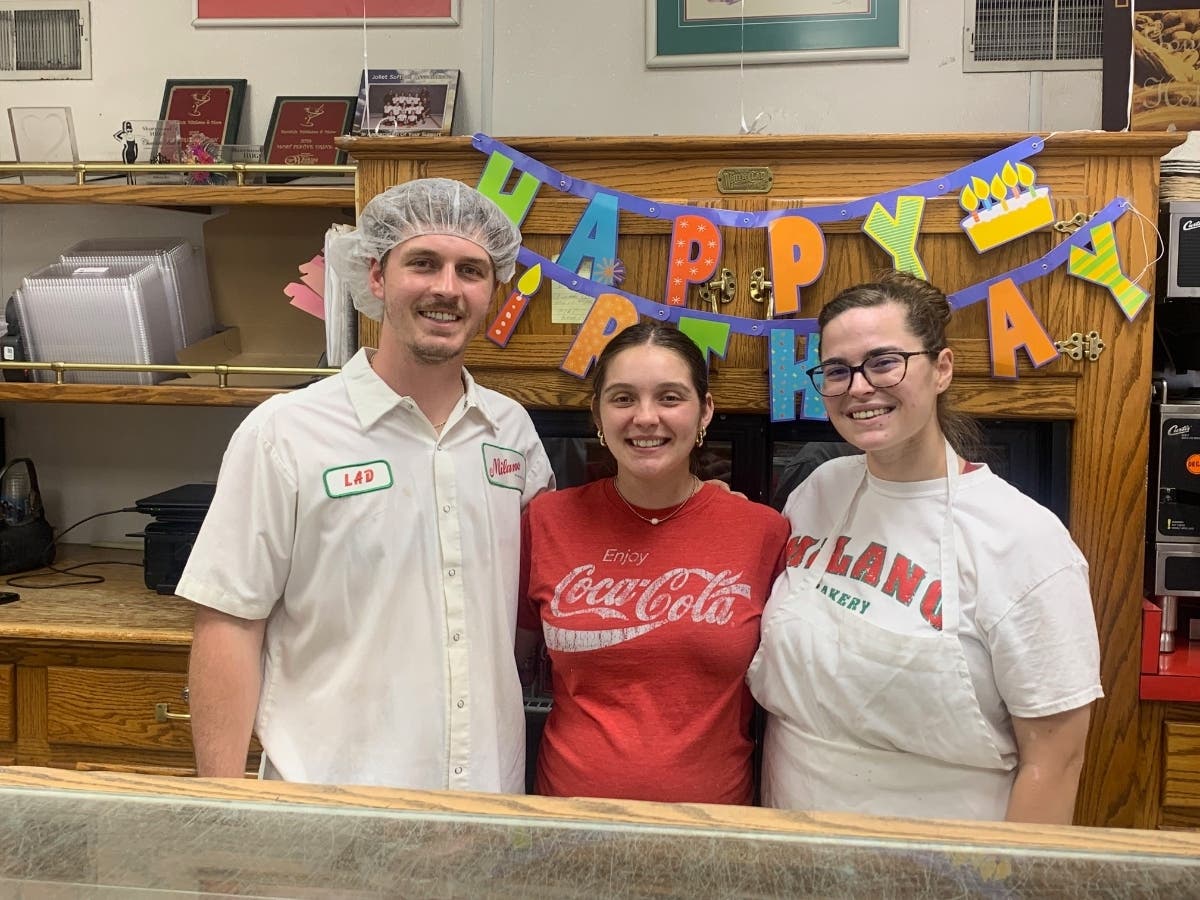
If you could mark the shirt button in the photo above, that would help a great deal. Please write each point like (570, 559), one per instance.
(450, 572)
(456, 636)
(446, 508)
(458, 770)
(462, 703)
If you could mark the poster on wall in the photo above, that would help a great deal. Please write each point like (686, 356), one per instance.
(324, 12)
(1151, 65)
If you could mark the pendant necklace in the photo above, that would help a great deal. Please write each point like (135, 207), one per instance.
(655, 520)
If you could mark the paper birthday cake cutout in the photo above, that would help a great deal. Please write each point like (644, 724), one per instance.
(1010, 206)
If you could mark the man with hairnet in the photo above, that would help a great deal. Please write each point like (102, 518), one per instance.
(356, 575)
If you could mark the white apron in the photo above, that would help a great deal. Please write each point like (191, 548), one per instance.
(867, 720)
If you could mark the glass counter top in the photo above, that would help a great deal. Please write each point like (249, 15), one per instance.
(71, 835)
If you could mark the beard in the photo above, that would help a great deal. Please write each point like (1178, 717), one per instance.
(433, 354)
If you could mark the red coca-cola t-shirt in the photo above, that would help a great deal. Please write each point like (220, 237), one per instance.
(650, 630)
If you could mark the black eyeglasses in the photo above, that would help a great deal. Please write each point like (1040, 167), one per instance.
(880, 370)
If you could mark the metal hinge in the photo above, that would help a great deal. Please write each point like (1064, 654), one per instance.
(1082, 346)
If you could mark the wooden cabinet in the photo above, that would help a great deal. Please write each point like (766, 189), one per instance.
(92, 677)
(1106, 401)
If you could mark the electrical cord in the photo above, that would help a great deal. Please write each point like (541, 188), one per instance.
(72, 571)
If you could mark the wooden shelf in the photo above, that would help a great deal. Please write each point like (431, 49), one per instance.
(158, 395)
(114, 192)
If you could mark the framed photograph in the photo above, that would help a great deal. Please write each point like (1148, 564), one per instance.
(726, 33)
(302, 130)
(1151, 78)
(206, 108)
(43, 134)
(325, 12)
(405, 101)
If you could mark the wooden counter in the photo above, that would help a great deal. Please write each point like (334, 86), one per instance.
(89, 674)
(121, 610)
(228, 837)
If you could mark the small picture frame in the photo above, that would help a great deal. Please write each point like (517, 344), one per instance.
(302, 130)
(205, 107)
(405, 102)
(150, 141)
(43, 134)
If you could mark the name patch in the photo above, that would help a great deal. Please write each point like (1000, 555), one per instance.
(361, 478)
(503, 467)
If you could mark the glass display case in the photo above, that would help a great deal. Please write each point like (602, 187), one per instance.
(70, 835)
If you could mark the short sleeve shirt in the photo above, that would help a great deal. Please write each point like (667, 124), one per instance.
(386, 561)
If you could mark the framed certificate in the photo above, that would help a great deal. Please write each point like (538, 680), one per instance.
(205, 108)
(302, 130)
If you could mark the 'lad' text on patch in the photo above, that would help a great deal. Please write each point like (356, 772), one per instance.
(360, 478)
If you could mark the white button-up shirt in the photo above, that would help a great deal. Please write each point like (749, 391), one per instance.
(386, 560)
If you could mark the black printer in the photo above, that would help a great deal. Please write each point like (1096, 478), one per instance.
(177, 514)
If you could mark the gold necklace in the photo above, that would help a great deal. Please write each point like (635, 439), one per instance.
(654, 520)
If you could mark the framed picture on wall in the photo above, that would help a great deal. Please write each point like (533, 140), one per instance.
(324, 12)
(1151, 76)
(405, 102)
(725, 33)
(302, 130)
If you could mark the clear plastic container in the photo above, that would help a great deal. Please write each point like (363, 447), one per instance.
(183, 272)
(106, 313)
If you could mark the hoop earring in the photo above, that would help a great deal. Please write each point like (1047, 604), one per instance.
(700, 438)
(600, 434)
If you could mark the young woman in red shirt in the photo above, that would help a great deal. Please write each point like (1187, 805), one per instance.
(647, 589)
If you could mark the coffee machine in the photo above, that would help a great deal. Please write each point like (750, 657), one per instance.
(1173, 510)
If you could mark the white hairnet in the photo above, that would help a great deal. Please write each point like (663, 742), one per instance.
(412, 209)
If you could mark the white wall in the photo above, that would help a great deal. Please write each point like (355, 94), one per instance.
(528, 67)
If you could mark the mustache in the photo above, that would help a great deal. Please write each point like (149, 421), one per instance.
(452, 308)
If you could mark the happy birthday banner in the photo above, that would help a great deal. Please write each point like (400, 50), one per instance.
(999, 194)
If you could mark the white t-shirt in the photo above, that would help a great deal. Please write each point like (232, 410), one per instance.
(386, 561)
(1026, 622)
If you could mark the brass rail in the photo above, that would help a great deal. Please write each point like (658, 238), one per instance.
(221, 371)
(239, 171)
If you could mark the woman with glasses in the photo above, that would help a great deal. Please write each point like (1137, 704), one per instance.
(930, 649)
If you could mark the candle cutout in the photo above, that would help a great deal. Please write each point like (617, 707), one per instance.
(968, 201)
(980, 187)
(501, 330)
(1000, 192)
(1009, 176)
(1025, 175)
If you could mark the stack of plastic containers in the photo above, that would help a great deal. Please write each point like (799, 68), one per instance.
(108, 313)
(183, 276)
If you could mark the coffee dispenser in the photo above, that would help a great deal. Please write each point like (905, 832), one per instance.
(1173, 510)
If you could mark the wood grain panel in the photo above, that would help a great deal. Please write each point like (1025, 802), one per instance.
(33, 748)
(93, 707)
(116, 615)
(8, 712)
(1181, 765)
(158, 395)
(1109, 449)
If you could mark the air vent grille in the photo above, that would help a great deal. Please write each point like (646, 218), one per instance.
(39, 41)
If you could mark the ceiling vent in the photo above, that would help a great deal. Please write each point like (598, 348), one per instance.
(42, 39)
